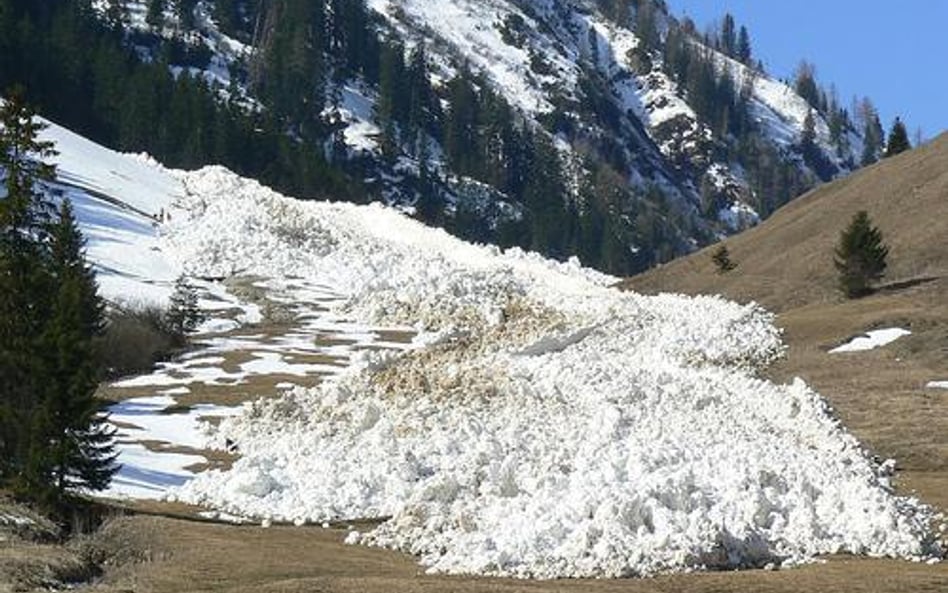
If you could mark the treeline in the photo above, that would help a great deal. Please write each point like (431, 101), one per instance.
(132, 89)
(80, 72)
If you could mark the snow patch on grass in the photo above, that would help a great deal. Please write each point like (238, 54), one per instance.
(872, 340)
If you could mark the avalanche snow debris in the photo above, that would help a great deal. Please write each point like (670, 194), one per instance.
(544, 424)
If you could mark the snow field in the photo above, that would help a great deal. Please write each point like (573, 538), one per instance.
(545, 424)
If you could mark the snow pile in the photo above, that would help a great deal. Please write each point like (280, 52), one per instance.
(872, 340)
(545, 425)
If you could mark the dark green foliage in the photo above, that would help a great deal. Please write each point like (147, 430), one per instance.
(392, 105)
(728, 35)
(743, 47)
(183, 315)
(860, 256)
(290, 74)
(184, 10)
(53, 440)
(72, 446)
(722, 260)
(84, 77)
(898, 139)
(155, 13)
(24, 282)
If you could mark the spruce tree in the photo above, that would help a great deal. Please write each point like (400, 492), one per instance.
(744, 46)
(184, 315)
(24, 286)
(898, 139)
(860, 256)
(72, 446)
(52, 436)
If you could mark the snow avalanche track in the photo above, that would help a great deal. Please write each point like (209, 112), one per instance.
(544, 424)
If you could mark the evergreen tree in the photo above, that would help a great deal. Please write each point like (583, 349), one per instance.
(52, 437)
(805, 84)
(391, 109)
(183, 315)
(728, 35)
(185, 13)
(898, 139)
(24, 287)
(155, 13)
(72, 446)
(744, 46)
(860, 256)
(722, 260)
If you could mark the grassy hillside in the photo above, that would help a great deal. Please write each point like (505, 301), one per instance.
(787, 261)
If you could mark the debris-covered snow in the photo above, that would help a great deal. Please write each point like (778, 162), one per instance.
(871, 340)
(546, 424)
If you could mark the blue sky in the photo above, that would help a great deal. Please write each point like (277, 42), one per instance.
(893, 52)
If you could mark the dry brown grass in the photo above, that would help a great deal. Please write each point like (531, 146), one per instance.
(201, 556)
(787, 261)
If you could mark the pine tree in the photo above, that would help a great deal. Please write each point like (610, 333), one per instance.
(860, 256)
(183, 315)
(52, 436)
(898, 139)
(728, 35)
(24, 287)
(72, 446)
(744, 46)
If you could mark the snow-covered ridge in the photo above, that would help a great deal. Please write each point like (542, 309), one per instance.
(546, 424)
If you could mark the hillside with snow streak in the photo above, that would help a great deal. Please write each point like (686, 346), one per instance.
(544, 424)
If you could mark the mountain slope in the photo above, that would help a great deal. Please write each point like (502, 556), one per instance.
(611, 131)
(787, 261)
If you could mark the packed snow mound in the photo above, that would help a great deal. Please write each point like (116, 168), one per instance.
(545, 424)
